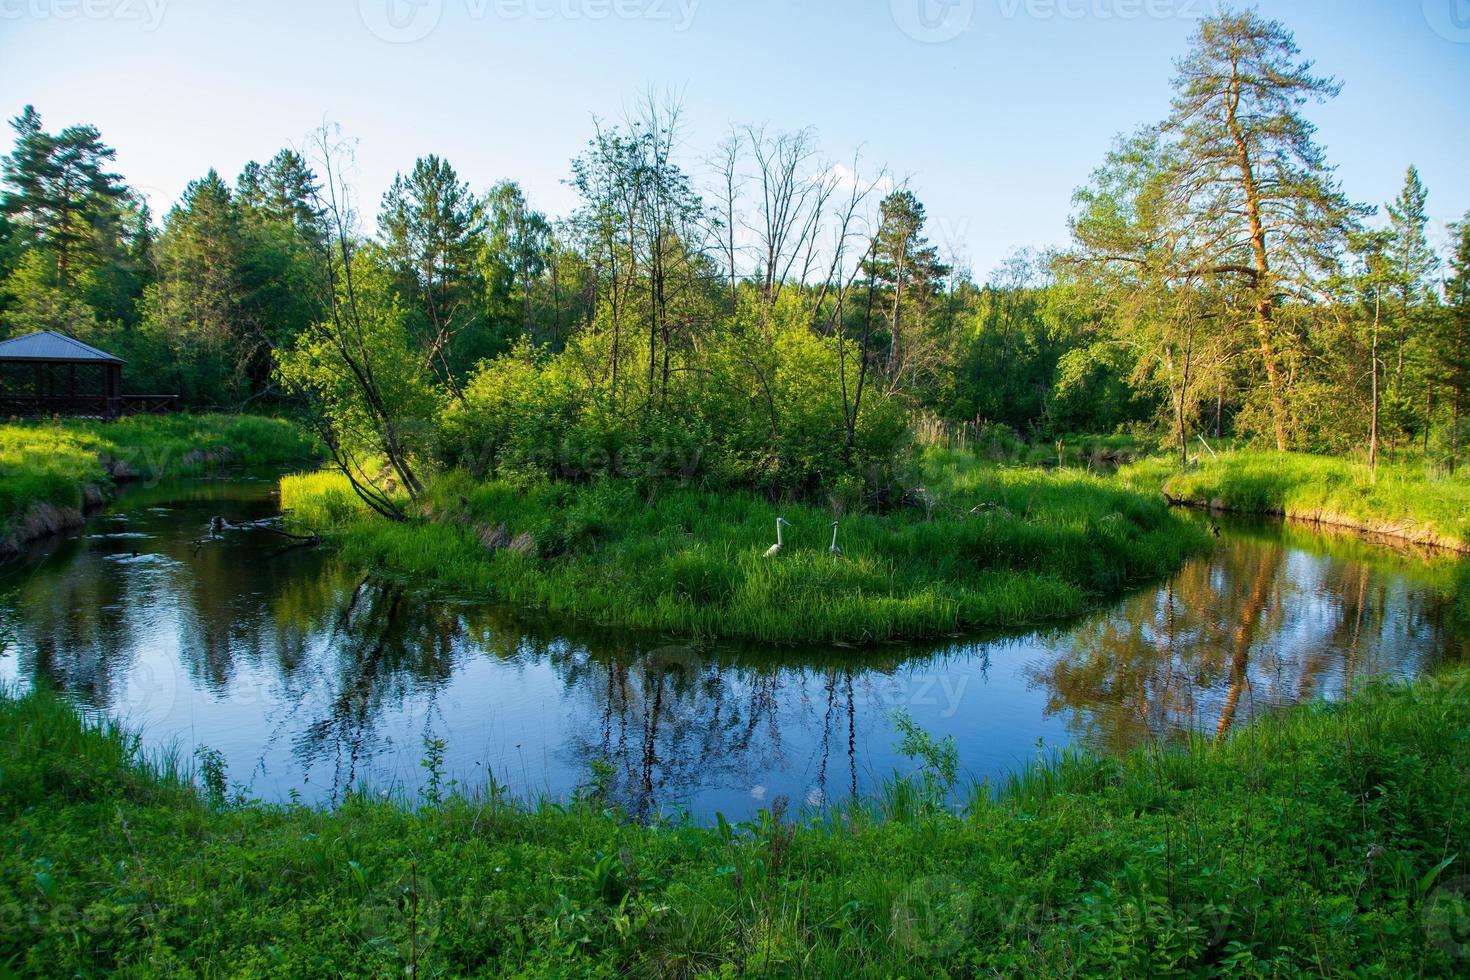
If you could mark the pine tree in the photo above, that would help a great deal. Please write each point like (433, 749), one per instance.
(1251, 191)
(429, 224)
(29, 172)
(1411, 258)
(60, 190)
(908, 266)
(1411, 265)
(199, 301)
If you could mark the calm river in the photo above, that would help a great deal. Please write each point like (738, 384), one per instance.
(310, 677)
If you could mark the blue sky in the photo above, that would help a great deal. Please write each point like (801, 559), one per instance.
(995, 110)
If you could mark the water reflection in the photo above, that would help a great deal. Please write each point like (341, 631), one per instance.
(1275, 616)
(311, 678)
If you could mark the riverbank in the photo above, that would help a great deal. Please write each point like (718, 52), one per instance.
(1406, 502)
(1329, 840)
(980, 547)
(51, 473)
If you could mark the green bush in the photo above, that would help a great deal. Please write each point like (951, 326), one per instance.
(761, 410)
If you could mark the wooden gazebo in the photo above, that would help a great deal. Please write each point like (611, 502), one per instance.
(49, 373)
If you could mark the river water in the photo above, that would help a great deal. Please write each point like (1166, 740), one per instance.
(310, 678)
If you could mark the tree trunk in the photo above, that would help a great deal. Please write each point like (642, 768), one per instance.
(1373, 430)
(1241, 641)
(1261, 260)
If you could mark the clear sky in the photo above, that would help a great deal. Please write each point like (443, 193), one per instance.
(996, 110)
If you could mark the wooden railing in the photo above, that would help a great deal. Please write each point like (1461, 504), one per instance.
(149, 404)
(85, 406)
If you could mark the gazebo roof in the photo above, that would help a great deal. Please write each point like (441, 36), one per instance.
(48, 345)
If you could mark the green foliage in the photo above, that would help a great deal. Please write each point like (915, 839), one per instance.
(371, 339)
(1411, 501)
(1325, 841)
(237, 279)
(940, 760)
(760, 409)
(979, 546)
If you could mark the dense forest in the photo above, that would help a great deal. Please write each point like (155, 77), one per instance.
(759, 315)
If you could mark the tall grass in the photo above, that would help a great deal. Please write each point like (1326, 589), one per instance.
(1407, 500)
(65, 465)
(999, 443)
(981, 547)
(1328, 841)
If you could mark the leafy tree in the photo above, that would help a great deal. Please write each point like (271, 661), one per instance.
(357, 370)
(429, 225)
(517, 250)
(10, 255)
(35, 300)
(643, 227)
(366, 382)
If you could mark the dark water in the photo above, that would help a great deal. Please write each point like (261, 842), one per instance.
(310, 677)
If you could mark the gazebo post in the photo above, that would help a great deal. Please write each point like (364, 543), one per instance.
(114, 390)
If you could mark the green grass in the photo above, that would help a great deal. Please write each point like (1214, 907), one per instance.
(1327, 841)
(1408, 500)
(1040, 546)
(66, 465)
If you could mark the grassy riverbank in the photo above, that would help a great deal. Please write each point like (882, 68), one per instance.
(1327, 841)
(51, 471)
(1407, 501)
(982, 547)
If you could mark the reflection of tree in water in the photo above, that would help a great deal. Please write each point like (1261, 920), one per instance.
(1256, 625)
(672, 721)
(88, 612)
(382, 650)
(66, 627)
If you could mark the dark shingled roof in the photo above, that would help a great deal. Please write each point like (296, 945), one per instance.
(48, 345)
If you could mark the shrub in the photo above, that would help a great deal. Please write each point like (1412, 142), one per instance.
(759, 407)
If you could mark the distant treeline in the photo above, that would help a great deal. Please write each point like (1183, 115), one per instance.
(784, 312)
